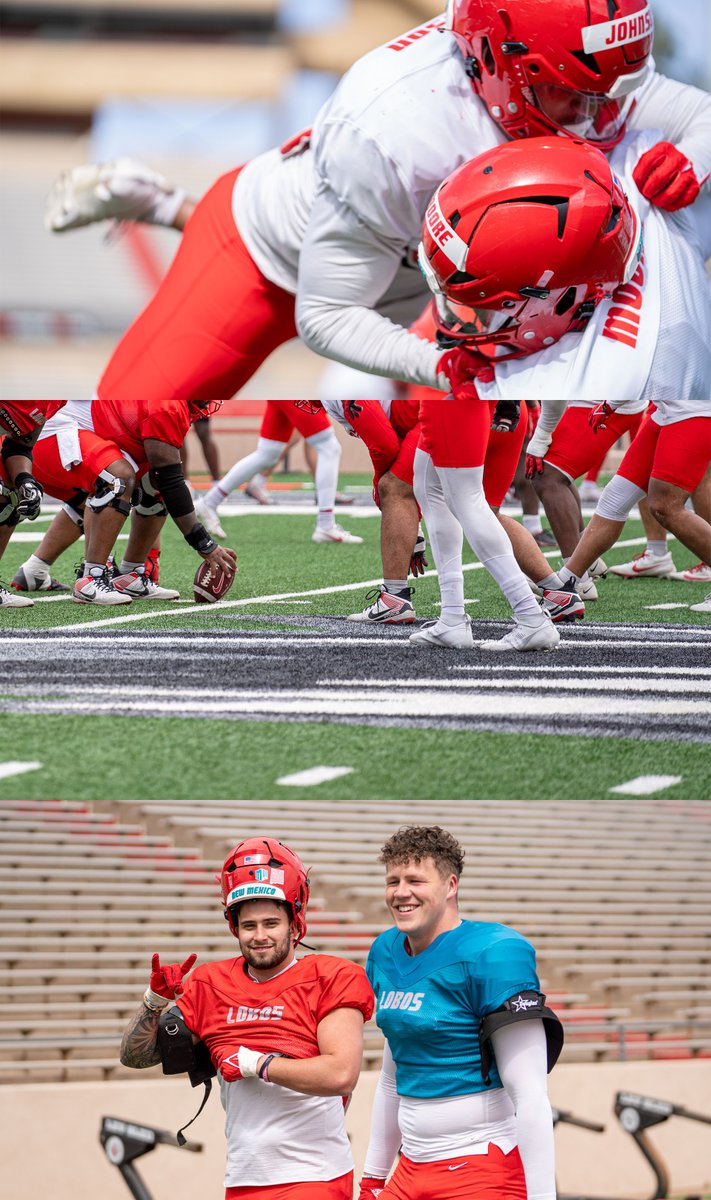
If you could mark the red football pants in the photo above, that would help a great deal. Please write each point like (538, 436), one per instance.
(335, 1189)
(282, 417)
(213, 320)
(96, 453)
(492, 1176)
(576, 448)
(457, 433)
(678, 454)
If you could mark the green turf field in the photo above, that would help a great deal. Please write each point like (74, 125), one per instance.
(284, 586)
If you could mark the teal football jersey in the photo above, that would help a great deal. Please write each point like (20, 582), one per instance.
(430, 1005)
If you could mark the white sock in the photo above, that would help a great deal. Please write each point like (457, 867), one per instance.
(127, 567)
(550, 582)
(657, 548)
(36, 565)
(464, 494)
(444, 533)
(394, 586)
(532, 524)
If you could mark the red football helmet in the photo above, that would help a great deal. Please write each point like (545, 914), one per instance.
(261, 868)
(521, 243)
(565, 67)
(199, 409)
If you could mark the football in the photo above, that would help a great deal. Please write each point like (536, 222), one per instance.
(211, 583)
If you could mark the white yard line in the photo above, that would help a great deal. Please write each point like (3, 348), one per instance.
(681, 686)
(661, 607)
(323, 702)
(7, 769)
(198, 610)
(646, 785)
(313, 776)
(654, 670)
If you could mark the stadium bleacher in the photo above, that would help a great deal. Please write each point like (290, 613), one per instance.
(620, 921)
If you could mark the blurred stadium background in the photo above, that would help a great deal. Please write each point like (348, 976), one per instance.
(616, 896)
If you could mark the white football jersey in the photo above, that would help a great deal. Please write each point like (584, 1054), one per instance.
(339, 224)
(649, 341)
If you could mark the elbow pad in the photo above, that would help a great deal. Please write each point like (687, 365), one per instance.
(178, 1053)
(11, 447)
(170, 482)
(525, 1006)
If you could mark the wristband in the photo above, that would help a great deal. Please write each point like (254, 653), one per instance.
(154, 1001)
(22, 476)
(200, 540)
(263, 1071)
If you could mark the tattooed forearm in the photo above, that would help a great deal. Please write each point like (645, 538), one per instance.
(138, 1046)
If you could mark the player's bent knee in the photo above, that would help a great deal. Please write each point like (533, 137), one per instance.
(269, 453)
(114, 488)
(618, 499)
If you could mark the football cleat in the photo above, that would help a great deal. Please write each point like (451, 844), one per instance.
(139, 587)
(699, 573)
(342, 499)
(26, 580)
(544, 537)
(563, 604)
(704, 606)
(256, 490)
(10, 600)
(336, 534)
(590, 493)
(598, 569)
(207, 515)
(654, 566)
(124, 190)
(586, 590)
(384, 608)
(98, 589)
(541, 636)
(448, 637)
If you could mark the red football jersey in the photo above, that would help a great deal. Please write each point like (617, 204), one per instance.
(130, 422)
(23, 419)
(228, 1009)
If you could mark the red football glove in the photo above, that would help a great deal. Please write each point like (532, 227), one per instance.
(534, 412)
(168, 981)
(462, 367)
(666, 177)
(370, 1188)
(418, 562)
(534, 466)
(599, 416)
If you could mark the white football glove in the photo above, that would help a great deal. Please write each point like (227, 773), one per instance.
(125, 190)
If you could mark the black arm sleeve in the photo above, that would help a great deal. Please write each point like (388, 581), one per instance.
(524, 1006)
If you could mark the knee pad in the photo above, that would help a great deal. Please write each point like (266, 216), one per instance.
(74, 509)
(325, 442)
(109, 493)
(269, 453)
(8, 505)
(147, 501)
(618, 499)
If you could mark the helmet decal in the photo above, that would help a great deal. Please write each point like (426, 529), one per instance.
(263, 868)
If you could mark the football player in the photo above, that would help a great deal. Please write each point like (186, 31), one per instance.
(285, 1033)
(469, 1041)
(320, 237)
(149, 434)
(543, 309)
(21, 423)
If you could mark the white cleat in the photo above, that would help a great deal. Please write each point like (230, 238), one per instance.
(655, 566)
(699, 573)
(207, 516)
(586, 590)
(256, 490)
(140, 587)
(122, 190)
(598, 569)
(10, 600)
(27, 580)
(704, 606)
(98, 590)
(541, 636)
(336, 534)
(448, 637)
